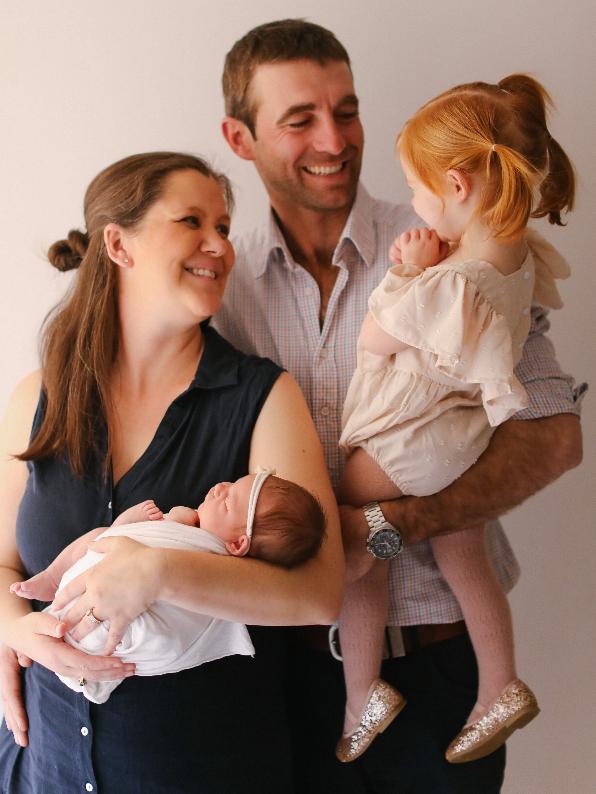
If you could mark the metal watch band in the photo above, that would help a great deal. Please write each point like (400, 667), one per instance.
(374, 517)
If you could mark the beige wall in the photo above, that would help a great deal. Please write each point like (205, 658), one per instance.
(83, 84)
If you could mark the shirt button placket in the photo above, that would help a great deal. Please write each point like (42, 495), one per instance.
(85, 732)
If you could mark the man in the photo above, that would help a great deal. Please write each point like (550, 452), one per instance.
(298, 295)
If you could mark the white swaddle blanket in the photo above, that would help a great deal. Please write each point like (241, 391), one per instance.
(164, 638)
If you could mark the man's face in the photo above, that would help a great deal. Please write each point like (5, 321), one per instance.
(308, 136)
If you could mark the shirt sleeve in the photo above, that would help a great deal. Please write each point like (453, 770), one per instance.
(550, 391)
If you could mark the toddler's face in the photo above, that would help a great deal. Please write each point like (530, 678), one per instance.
(435, 211)
(225, 508)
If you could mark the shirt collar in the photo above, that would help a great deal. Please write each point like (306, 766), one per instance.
(358, 234)
(219, 363)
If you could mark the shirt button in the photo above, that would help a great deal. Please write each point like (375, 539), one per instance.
(526, 275)
(84, 731)
(526, 311)
(88, 787)
(323, 353)
(110, 505)
(325, 410)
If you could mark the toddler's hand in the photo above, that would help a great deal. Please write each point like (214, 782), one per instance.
(420, 247)
(395, 252)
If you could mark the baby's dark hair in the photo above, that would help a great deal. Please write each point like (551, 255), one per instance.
(289, 524)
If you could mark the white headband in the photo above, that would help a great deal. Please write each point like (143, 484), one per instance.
(258, 483)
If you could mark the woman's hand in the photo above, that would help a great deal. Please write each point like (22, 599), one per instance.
(39, 637)
(10, 691)
(117, 589)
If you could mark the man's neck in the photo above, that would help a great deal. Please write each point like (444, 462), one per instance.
(311, 236)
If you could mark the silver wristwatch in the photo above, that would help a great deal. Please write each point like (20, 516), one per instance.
(384, 540)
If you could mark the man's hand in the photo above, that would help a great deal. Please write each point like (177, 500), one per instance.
(420, 247)
(523, 457)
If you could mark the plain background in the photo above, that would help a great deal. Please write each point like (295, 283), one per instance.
(83, 84)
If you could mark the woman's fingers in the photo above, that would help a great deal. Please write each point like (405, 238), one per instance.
(70, 661)
(115, 634)
(81, 620)
(10, 689)
(72, 590)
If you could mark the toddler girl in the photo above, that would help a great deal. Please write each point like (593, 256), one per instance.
(258, 515)
(437, 350)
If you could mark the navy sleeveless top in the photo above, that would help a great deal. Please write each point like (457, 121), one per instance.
(218, 728)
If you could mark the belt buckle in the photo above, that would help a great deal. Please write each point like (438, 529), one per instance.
(393, 643)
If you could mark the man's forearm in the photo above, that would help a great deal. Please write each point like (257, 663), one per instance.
(522, 458)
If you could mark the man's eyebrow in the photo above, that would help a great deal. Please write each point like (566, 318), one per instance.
(293, 110)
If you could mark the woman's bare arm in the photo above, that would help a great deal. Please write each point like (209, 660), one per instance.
(246, 590)
(35, 635)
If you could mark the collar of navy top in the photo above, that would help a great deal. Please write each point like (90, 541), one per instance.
(219, 363)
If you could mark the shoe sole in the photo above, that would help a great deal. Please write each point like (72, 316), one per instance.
(492, 743)
(380, 728)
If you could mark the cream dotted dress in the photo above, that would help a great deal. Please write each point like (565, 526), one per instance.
(427, 413)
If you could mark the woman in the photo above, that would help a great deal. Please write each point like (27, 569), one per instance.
(139, 400)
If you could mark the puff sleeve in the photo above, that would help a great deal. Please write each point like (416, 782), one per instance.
(443, 313)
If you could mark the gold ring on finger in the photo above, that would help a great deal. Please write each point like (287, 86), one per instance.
(89, 614)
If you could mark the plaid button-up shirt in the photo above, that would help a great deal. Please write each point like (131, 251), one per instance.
(271, 308)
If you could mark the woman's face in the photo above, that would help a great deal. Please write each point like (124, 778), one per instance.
(180, 255)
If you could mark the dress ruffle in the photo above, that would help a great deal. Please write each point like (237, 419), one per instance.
(443, 313)
(548, 266)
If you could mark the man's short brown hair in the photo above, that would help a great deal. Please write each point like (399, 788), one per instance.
(283, 40)
(289, 524)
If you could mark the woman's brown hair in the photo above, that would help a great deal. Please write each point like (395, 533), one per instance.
(499, 130)
(79, 338)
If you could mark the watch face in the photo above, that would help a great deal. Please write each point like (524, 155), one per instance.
(385, 544)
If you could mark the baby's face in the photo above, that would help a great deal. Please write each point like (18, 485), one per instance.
(225, 509)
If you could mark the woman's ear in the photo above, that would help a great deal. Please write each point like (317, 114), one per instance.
(459, 183)
(112, 237)
(239, 137)
(238, 547)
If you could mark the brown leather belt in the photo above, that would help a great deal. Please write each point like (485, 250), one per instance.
(413, 637)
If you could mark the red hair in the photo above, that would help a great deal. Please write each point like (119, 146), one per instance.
(499, 131)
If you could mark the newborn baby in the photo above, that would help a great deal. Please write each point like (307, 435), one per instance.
(259, 515)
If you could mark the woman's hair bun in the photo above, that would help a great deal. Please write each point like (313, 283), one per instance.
(68, 254)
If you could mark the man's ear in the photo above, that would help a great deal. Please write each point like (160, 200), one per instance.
(239, 137)
(112, 237)
(238, 547)
(459, 183)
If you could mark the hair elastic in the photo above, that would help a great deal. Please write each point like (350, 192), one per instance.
(258, 483)
(493, 148)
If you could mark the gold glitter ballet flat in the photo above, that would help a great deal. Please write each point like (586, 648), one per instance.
(382, 706)
(514, 708)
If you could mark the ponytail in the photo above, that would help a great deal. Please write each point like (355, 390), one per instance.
(508, 196)
(530, 102)
(557, 191)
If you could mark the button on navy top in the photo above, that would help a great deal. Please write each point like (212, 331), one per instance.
(220, 727)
